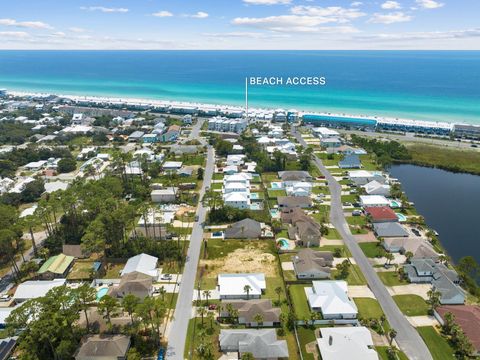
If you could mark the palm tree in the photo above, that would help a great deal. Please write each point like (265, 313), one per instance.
(408, 255)
(278, 291)
(206, 295)
(258, 318)
(129, 303)
(246, 289)
(211, 318)
(162, 291)
(202, 312)
(389, 257)
(433, 299)
(392, 333)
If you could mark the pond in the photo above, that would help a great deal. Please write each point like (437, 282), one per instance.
(450, 204)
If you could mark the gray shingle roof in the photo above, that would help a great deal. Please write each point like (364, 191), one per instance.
(244, 229)
(261, 343)
(390, 229)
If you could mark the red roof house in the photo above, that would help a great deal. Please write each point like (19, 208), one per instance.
(468, 318)
(380, 214)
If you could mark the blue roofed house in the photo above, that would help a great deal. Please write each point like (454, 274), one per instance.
(151, 138)
(351, 161)
(172, 134)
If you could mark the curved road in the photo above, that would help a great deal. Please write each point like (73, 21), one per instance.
(408, 339)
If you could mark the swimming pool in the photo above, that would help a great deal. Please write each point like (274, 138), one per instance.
(256, 206)
(276, 185)
(254, 196)
(395, 204)
(101, 293)
(284, 244)
(401, 217)
(274, 213)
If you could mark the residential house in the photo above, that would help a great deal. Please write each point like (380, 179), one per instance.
(172, 165)
(323, 132)
(443, 279)
(7, 347)
(289, 177)
(142, 263)
(311, 264)
(166, 195)
(376, 188)
(467, 317)
(238, 200)
(303, 229)
(56, 266)
(33, 289)
(185, 171)
(363, 177)
(230, 170)
(234, 286)
(299, 188)
(261, 343)
(351, 161)
(75, 251)
(380, 214)
(342, 343)
(103, 347)
(373, 200)
(136, 283)
(136, 136)
(150, 138)
(248, 309)
(330, 142)
(172, 134)
(389, 229)
(420, 248)
(294, 202)
(187, 119)
(235, 159)
(244, 229)
(330, 297)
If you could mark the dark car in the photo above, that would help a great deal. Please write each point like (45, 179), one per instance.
(196, 217)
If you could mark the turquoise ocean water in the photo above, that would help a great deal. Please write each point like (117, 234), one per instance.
(430, 85)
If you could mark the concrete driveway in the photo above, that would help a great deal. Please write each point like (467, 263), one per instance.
(410, 289)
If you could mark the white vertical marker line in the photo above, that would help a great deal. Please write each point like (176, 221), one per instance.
(246, 97)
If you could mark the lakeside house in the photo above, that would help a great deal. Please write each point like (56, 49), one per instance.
(419, 247)
(376, 188)
(373, 201)
(363, 177)
(380, 214)
(389, 229)
(261, 343)
(342, 343)
(330, 297)
(351, 161)
(234, 286)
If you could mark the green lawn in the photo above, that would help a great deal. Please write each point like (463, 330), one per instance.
(333, 234)
(391, 278)
(299, 301)
(273, 194)
(383, 354)
(368, 308)
(355, 276)
(438, 346)
(306, 335)
(372, 249)
(216, 186)
(194, 328)
(411, 305)
(345, 251)
(356, 220)
(349, 198)
(217, 176)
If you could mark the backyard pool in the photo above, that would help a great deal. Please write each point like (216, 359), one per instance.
(254, 196)
(401, 217)
(274, 213)
(395, 204)
(101, 293)
(276, 185)
(256, 206)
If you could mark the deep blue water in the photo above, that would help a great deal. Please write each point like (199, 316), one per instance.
(449, 203)
(430, 85)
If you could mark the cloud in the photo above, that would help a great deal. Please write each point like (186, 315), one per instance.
(77, 29)
(267, 2)
(389, 5)
(429, 4)
(14, 34)
(304, 19)
(198, 15)
(25, 24)
(162, 13)
(356, 3)
(390, 18)
(104, 9)
(418, 36)
(249, 35)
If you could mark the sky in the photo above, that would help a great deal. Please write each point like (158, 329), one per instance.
(240, 24)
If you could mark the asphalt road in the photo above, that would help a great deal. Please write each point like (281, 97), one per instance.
(183, 310)
(408, 339)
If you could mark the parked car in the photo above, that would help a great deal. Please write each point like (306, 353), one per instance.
(212, 307)
(346, 203)
(356, 213)
(416, 232)
(5, 298)
(166, 277)
(196, 217)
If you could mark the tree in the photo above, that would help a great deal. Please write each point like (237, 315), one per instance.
(206, 295)
(448, 323)
(433, 299)
(392, 353)
(86, 295)
(247, 289)
(337, 252)
(200, 172)
(108, 307)
(468, 266)
(247, 356)
(344, 268)
(258, 318)
(392, 333)
(389, 256)
(278, 291)
(129, 304)
(211, 318)
(66, 165)
(408, 255)
(202, 312)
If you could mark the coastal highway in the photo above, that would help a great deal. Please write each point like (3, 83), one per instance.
(183, 310)
(407, 337)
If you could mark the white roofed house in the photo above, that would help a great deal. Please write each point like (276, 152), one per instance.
(376, 188)
(299, 188)
(33, 289)
(342, 343)
(239, 200)
(363, 177)
(373, 200)
(237, 159)
(142, 263)
(234, 286)
(330, 297)
(166, 195)
(172, 165)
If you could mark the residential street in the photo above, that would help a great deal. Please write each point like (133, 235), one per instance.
(407, 338)
(183, 310)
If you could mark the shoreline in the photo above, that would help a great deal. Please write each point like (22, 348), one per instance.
(252, 111)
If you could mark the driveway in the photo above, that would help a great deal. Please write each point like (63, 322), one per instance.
(411, 289)
(407, 338)
(360, 291)
(425, 320)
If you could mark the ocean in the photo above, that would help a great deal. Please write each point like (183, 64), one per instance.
(423, 85)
